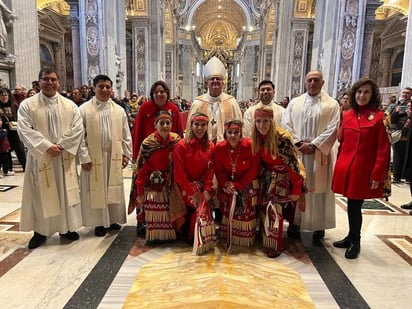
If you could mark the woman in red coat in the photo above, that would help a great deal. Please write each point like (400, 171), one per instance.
(363, 157)
(143, 123)
(236, 170)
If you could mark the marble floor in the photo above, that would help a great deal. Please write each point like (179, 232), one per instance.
(119, 271)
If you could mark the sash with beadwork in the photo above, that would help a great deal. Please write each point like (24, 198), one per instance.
(321, 160)
(96, 174)
(44, 165)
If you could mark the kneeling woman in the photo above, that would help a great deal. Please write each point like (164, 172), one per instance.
(154, 164)
(236, 171)
(193, 170)
(282, 178)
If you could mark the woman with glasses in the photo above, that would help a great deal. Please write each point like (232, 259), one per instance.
(154, 179)
(236, 170)
(282, 179)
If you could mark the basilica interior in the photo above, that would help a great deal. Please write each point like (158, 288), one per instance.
(137, 42)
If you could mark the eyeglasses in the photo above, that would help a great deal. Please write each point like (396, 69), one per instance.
(49, 79)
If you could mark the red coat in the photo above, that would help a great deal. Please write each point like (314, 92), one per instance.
(191, 162)
(246, 164)
(363, 155)
(144, 123)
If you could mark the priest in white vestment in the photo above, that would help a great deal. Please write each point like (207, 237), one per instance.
(51, 128)
(103, 154)
(313, 121)
(266, 98)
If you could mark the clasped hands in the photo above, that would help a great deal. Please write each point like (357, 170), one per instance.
(229, 187)
(306, 148)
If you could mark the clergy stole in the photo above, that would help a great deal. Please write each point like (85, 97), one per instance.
(223, 112)
(45, 169)
(321, 166)
(115, 172)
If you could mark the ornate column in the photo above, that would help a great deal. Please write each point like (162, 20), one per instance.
(298, 58)
(58, 57)
(386, 67)
(75, 35)
(367, 51)
(407, 59)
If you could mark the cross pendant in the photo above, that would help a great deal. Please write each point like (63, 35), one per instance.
(213, 122)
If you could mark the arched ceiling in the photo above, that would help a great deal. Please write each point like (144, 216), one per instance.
(219, 23)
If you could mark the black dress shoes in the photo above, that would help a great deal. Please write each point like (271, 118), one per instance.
(318, 235)
(353, 251)
(36, 240)
(293, 232)
(344, 243)
(115, 227)
(407, 206)
(70, 236)
(99, 231)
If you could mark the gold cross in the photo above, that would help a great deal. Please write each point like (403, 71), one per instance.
(95, 164)
(45, 169)
(69, 159)
(116, 159)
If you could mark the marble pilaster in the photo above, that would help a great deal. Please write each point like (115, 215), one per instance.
(75, 40)
(407, 61)
(298, 58)
(367, 51)
(25, 35)
(386, 67)
(282, 48)
(325, 39)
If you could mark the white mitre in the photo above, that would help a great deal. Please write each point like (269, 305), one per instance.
(214, 67)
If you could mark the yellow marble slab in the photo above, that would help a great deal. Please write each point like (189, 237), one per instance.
(217, 280)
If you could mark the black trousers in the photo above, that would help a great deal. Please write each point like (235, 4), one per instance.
(4, 162)
(355, 220)
(399, 151)
(18, 148)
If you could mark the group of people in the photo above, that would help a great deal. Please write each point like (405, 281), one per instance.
(256, 159)
(246, 173)
(400, 115)
(57, 135)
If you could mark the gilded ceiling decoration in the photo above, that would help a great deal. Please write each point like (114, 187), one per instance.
(391, 7)
(219, 23)
(58, 6)
(305, 8)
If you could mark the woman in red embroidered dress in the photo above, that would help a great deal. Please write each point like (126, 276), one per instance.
(236, 170)
(363, 157)
(282, 179)
(193, 170)
(153, 182)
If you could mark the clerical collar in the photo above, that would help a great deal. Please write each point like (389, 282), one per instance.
(213, 99)
(101, 103)
(315, 98)
(49, 100)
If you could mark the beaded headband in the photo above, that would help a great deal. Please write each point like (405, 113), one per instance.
(264, 113)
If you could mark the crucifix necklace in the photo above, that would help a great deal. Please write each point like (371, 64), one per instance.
(233, 163)
(215, 108)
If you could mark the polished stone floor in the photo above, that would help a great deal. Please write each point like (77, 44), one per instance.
(119, 271)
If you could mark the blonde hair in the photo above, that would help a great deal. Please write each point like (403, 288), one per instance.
(271, 141)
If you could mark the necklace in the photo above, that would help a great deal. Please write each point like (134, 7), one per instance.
(234, 163)
(215, 107)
